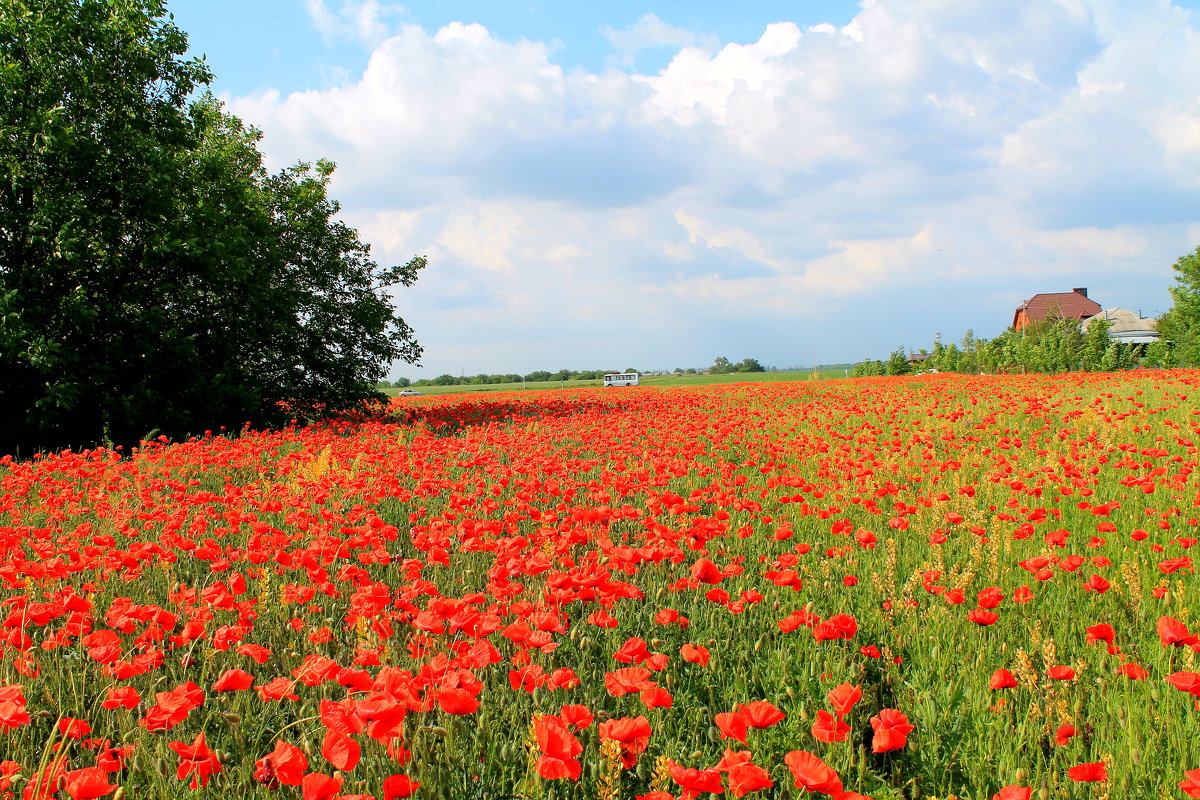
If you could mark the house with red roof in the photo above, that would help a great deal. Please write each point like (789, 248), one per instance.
(1056, 305)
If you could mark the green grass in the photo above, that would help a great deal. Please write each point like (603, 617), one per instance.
(647, 380)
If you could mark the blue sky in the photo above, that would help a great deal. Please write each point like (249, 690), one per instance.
(656, 184)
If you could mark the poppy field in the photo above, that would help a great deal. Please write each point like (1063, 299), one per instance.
(948, 587)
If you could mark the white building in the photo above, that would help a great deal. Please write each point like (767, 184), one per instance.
(1127, 326)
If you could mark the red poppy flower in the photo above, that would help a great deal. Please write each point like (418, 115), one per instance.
(656, 697)
(121, 697)
(233, 680)
(1134, 671)
(891, 730)
(811, 773)
(286, 764)
(982, 617)
(197, 761)
(829, 728)
(73, 728)
(732, 725)
(316, 786)
(695, 654)
(277, 689)
(397, 787)
(634, 651)
(746, 777)
(1064, 734)
(1061, 673)
(1002, 679)
(256, 652)
(839, 626)
(627, 680)
(577, 716)
(706, 571)
(695, 782)
(340, 750)
(1088, 773)
(760, 714)
(843, 698)
(1014, 792)
(1191, 783)
(1173, 632)
(88, 783)
(559, 749)
(990, 597)
(633, 734)
(1186, 682)
(459, 702)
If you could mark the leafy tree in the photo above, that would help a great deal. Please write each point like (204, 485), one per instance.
(1181, 325)
(722, 366)
(750, 365)
(153, 275)
(1159, 354)
(1095, 343)
(897, 363)
(868, 369)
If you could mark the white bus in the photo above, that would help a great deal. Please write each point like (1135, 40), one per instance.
(621, 379)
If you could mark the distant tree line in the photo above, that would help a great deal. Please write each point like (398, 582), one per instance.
(484, 379)
(721, 366)
(1045, 346)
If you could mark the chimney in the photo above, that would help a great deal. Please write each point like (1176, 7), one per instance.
(1080, 291)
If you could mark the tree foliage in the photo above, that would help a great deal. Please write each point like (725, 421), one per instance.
(1048, 346)
(1181, 325)
(153, 275)
(723, 366)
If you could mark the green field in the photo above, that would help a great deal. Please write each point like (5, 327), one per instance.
(647, 380)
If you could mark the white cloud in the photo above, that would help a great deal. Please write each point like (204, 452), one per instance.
(647, 32)
(365, 21)
(929, 151)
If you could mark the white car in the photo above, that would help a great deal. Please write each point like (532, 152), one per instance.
(409, 393)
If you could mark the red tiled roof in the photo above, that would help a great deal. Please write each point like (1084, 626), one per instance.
(1064, 305)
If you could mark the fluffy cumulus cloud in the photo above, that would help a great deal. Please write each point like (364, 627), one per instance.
(819, 193)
